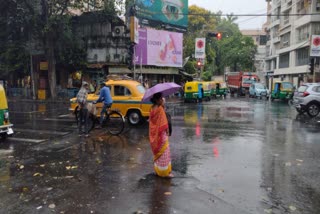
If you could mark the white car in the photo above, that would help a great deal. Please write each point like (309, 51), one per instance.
(307, 99)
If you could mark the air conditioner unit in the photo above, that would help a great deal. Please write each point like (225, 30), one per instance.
(118, 31)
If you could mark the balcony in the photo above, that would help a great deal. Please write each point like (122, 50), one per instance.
(275, 23)
(303, 20)
(286, 6)
(276, 39)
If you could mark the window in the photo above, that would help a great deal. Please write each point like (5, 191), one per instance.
(287, 85)
(315, 28)
(316, 89)
(141, 89)
(121, 91)
(284, 60)
(303, 33)
(263, 39)
(285, 40)
(302, 88)
(302, 56)
(286, 17)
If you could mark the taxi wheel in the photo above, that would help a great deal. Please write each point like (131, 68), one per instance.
(134, 117)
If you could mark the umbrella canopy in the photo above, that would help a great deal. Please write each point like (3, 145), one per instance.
(166, 89)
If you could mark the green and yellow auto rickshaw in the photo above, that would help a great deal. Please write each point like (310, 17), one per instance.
(282, 91)
(5, 125)
(193, 92)
(206, 91)
(218, 88)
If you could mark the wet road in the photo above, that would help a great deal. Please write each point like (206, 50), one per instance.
(229, 156)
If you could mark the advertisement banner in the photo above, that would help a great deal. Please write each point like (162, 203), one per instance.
(315, 46)
(174, 12)
(134, 29)
(160, 48)
(200, 48)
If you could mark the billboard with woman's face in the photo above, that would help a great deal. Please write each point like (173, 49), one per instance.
(173, 12)
(159, 47)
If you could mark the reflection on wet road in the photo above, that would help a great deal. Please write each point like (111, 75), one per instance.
(230, 156)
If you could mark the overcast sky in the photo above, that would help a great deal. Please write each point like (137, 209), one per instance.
(237, 7)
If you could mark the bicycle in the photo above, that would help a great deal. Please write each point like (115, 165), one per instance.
(113, 121)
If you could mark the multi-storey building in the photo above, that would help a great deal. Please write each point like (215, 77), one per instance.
(259, 38)
(291, 23)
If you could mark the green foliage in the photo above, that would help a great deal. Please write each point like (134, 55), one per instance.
(234, 50)
(13, 57)
(199, 26)
(206, 76)
(190, 67)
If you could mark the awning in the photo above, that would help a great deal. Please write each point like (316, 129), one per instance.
(123, 70)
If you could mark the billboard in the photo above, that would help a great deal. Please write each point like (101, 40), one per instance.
(200, 48)
(159, 47)
(315, 46)
(173, 12)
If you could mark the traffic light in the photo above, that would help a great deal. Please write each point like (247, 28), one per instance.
(130, 56)
(311, 66)
(218, 35)
(199, 64)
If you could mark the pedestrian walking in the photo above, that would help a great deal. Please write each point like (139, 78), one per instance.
(158, 136)
(83, 110)
(105, 96)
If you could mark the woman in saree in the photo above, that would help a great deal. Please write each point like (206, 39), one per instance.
(158, 136)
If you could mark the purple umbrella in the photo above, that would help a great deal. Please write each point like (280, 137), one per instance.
(166, 89)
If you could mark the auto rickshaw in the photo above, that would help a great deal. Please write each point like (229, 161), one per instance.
(282, 91)
(218, 88)
(5, 125)
(206, 91)
(193, 92)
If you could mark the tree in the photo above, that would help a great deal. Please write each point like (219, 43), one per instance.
(49, 24)
(13, 55)
(234, 50)
(201, 21)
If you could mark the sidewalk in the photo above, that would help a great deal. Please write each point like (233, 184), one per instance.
(18, 99)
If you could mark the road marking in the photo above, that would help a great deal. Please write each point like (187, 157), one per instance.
(66, 115)
(41, 131)
(26, 140)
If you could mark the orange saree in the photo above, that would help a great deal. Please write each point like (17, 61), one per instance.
(158, 126)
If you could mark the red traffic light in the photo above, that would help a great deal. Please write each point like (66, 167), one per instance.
(219, 36)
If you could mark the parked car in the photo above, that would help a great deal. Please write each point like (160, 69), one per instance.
(258, 90)
(127, 96)
(307, 99)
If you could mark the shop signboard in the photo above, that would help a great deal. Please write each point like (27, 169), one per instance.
(134, 29)
(160, 48)
(173, 12)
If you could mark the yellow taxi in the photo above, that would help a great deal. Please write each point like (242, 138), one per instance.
(127, 96)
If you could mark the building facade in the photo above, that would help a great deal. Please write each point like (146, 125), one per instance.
(259, 38)
(290, 25)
